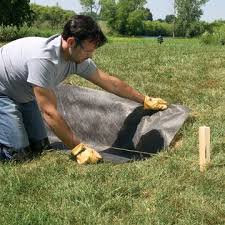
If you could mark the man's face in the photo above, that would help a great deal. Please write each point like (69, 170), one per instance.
(81, 51)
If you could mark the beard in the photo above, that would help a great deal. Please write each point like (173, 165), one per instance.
(73, 59)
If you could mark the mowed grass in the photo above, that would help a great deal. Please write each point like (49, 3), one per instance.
(165, 189)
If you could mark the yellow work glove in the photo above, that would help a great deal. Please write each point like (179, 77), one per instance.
(85, 154)
(154, 103)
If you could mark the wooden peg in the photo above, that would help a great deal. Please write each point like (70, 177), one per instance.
(204, 147)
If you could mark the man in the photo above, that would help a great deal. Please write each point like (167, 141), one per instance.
(31, 67)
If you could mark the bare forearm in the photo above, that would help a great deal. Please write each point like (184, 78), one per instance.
(116, 86)
(122, 89)
(61, 129)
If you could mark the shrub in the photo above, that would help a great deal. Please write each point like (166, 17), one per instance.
(207, 38)
(156, 28)
(217, 36)
(10, 33)
(50, 16)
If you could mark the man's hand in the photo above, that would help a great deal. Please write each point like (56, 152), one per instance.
(85, 154)
(155, 103)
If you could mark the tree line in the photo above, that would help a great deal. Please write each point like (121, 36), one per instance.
(20, 12)
(19, 18)
(123, 17)
(131, 17)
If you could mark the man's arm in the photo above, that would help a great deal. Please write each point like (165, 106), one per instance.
(116, 86)
(48, 105)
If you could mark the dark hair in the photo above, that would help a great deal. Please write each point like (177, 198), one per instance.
(84, 28)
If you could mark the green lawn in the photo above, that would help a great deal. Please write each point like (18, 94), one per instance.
(165, 189)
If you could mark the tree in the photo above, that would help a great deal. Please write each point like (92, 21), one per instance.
(108, 10)
(54, 16)
(160, 20)
(90, 6)
(188, 12)
(135, 23)
(170, 18)
(148, 14)
(124, 16)
(15, 12)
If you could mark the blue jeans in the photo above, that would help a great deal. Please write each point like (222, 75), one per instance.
(20, 125)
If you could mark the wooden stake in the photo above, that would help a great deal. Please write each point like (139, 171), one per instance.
(204, 147)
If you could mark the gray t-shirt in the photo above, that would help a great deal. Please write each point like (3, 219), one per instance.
(38, 61)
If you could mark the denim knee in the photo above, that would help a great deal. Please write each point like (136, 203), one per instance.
(12, 131)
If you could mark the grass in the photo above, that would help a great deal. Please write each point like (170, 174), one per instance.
(165, 189)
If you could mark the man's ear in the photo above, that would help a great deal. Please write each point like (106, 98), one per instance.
(71, 41)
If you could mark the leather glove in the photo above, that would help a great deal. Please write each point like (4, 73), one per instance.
(154, 103)
(85, 154)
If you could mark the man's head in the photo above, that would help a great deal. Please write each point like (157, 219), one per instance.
(81, 36)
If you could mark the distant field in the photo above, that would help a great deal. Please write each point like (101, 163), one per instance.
(163, 190)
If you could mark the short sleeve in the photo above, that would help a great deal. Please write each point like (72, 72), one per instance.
(86, 68)
(41, 72)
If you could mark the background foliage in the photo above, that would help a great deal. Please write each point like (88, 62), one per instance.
(122, 17)
(214, 36)
(54, 17)
(44, 21)
(188, 14)
(15, 12)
